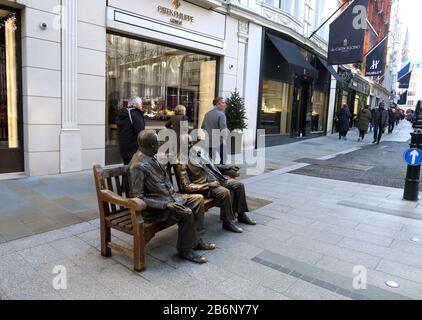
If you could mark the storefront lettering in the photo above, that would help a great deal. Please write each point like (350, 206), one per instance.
(177, 17)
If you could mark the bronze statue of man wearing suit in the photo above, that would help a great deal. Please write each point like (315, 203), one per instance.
(150, 182)
(202, 176)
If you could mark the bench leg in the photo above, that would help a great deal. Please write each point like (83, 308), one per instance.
(139, 248)
(105, 240)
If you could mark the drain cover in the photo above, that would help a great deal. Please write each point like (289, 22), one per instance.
(392, 284)
(415, 240)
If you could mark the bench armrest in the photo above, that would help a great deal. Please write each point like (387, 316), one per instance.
(133, 204)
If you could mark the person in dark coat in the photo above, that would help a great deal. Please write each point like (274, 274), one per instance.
(380, 122)
(130, 122)
(365, 118)
(344, 121)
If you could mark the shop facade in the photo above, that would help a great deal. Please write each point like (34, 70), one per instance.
(352, 90)
(294, 90)
(80, 61)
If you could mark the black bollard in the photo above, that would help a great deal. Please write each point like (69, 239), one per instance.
(411, 187)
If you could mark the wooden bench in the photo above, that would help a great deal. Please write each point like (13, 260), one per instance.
(118, 211)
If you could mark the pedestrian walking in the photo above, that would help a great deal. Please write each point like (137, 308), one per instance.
(391, 120)
(344, 117)
(380, 121)
(365, 118)
(215, 120)
(130, 122)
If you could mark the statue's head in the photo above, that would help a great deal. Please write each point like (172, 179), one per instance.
(148, 142)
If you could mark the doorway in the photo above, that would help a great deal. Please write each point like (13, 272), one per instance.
(11, 144)
(301, 115)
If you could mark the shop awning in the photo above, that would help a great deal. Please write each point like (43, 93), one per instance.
(330, 69)
(290, 52)
(404, 82)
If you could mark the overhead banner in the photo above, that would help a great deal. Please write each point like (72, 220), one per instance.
(347, 34)
(404, 71)
(404, 82)
(375, 60)
(403, 98)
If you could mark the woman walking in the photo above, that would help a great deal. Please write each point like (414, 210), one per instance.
(130, 122)
(344, 121)
(365, 118)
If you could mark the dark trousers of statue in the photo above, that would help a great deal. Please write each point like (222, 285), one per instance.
(231, 198)
(189, 224)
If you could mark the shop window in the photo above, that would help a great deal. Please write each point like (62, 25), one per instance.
(11, 154)
(276, 109)
(163, 77)
(319, 111)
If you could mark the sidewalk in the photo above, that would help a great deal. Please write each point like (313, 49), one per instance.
(310, 237)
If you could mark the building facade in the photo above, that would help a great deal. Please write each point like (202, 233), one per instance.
(69, 65)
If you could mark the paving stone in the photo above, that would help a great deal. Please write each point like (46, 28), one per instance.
(306, 291)
(346, 254)
(401, 270)
(382, 252)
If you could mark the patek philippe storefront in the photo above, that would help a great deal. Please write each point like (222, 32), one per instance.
(80, 61)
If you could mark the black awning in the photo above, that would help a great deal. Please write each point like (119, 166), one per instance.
(290, 52)
(330, 70)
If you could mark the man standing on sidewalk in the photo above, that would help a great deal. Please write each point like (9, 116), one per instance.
(216, 120)
(380, 121)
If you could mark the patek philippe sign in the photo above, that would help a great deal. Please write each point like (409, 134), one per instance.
(176, 17)
(347, 34)
(375, 60)
(169, 17)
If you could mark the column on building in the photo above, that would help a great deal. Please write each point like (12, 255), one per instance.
(332, 103)
(41, 84)
(70, 135)
(92, 80)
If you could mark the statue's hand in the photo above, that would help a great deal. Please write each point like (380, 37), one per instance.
(177, 207)
(214, 184)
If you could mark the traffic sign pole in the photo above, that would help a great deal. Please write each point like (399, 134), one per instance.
(411, 187)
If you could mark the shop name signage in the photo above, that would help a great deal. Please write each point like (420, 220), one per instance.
(176, 17)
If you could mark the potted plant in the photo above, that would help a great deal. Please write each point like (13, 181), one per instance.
(236, 120)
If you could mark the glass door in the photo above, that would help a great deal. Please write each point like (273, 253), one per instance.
(11, 151)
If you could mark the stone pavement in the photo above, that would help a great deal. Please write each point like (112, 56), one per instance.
(314, 236)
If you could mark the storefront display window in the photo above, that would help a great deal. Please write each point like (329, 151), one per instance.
(163, 77)
(319, 111)
(11, 155)
(276, 109)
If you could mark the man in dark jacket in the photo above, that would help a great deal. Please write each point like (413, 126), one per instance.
(130, 122)
(380, 121)
(150, 182)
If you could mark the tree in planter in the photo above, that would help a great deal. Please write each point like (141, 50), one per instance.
(236, 120)
(236, 112)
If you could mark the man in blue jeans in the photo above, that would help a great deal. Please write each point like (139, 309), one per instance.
(216, 120)
(380, 121)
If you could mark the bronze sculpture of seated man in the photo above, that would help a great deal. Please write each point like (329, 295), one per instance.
(201, 175)
(150, 182)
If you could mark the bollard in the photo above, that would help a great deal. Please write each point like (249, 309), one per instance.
(411, 187)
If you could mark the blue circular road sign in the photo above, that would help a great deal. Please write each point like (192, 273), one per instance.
(413, 157)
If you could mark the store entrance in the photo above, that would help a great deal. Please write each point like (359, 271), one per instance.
(11, 151)
(301, 118)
